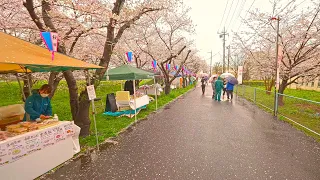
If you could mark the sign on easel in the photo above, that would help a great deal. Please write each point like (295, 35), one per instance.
(92, 96)
(91, 92)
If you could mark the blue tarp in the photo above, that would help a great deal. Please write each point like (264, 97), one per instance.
(124, 113)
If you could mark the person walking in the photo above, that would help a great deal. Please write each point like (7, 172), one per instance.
(218, 88)
(229, 89)
(213, 87)
(224, 87)
(203, 85)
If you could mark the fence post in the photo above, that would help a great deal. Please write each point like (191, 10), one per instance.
(255, 95)
(276, 105)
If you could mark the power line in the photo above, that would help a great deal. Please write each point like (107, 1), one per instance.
(239, 13)
(233, 13)
(246, 14)
(223, 13)
(285, 7)
(228, 13)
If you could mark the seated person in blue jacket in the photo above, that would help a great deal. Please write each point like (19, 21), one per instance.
(38, 105)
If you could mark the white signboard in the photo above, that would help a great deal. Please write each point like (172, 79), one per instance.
(91, 92)
(18, 147)
(240, 73)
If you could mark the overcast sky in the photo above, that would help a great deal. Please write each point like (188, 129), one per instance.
(210, 17)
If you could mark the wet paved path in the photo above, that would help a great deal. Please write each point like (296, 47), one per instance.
(198, 138)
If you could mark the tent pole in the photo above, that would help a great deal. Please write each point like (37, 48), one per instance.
(155, 91)
(93, 113)
(134, 98)
(21, 88)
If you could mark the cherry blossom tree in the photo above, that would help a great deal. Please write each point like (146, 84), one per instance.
(299, 41)
(162, 39)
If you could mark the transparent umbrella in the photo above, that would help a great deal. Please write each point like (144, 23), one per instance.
(211, 78)
(232, 80)
(224, 75)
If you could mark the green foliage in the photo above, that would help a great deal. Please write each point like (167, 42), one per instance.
(146, 82)
(254, 83)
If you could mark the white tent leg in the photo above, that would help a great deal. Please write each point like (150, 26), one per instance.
(155, 91)
(94, 115)
(134, 97)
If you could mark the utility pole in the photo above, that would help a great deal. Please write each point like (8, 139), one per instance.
(277, 79)
(223, 36)
(211, 64)
(228, 58)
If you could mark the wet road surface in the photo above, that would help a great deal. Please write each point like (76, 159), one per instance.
(198, 138)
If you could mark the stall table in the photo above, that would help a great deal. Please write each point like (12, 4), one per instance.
(140, 101)
(32, 154)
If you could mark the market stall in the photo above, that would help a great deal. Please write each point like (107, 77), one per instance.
(29, 149)
(28, 155)
(127, 72)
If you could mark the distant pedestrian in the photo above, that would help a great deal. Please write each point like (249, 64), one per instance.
(224, 87)
(203, 85)
(229, 89)
(213, 86)
(218, 88)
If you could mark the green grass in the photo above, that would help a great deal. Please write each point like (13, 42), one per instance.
(107, 126)
(304, 112)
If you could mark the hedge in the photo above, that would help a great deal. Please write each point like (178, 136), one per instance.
(254, 83)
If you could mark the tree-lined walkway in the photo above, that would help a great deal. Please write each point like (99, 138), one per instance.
(198, 138)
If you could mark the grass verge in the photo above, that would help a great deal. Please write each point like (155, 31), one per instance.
(305, 111)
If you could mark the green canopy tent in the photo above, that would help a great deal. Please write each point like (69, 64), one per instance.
(127, 72)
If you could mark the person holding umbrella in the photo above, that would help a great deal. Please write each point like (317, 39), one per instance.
(218, 87)
(230, 85)
(213, 86)
(203, 85)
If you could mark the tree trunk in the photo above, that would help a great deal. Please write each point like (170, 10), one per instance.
(268, 83)
(167, 84)
(282, 87)
(137, 83)
(26, 85)
(82, 119)
(167, 88)
(184, 84)
(73, 92)
(54, 80)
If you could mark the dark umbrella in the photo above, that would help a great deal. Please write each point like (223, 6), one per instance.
(232, 80)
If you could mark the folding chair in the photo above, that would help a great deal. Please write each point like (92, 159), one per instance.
(122, 99)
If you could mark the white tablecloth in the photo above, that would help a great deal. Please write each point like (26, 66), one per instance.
(141, 101)
(32, 154)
